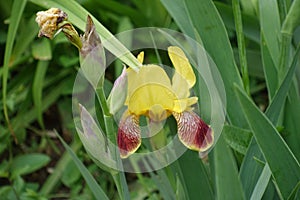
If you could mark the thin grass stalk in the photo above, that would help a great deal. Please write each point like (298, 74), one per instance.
(241, 44)
(17, 10)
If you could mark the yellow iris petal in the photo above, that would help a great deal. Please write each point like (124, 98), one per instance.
(140, 57)
(147, 88)
(181, 105)
(182, 65)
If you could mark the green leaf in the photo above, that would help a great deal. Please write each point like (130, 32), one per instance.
(270, 29)
(273, 147)
(26, 164)
(26, 35)
(292, 19)
(291, 128)
(249, 165)
(273, 111)
(193, 176)
(37, 89)
(163, 184)
(94, 186)
(41, 50)
(54, 178)
(16, 13)
(228, 185)
(250, 169)
(237, 138)
(270, 71)
(123, 10)
(71, 174)
(180, 193)
(261, 184)
(295, 193)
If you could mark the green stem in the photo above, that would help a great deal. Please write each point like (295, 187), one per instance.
(119, 178)
(71, 33)
(241, 44)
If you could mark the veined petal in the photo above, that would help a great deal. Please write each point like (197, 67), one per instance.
(193, 132)
(182, 66)
(129, 135)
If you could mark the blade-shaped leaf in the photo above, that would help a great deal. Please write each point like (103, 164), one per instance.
(270, 28)
(249, 165)
(193, 176)
(273, 147)
(237, 138)
(226, 177)
(94, 186)
(262, 183)
(17, 11)
(37, 89)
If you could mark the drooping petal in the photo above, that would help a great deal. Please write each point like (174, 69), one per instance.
(129, 135)
(182, 66)
(193, 132)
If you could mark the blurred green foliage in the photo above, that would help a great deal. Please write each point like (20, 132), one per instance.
(257, 156)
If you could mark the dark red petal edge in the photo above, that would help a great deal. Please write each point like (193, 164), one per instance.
(129, 135)
(193, 132)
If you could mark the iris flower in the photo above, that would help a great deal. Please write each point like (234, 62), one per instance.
(151, 93)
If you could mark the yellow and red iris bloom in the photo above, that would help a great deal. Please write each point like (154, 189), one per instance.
(151, 93)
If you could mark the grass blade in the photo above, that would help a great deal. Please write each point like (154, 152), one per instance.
(270, 28)
(95, 188)
(261, 184)
(270, 71)
(193, 176)
(273, 147)
(15, 17)
(37, 89)
(226, 171)
(273, 110)
(251, 169)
